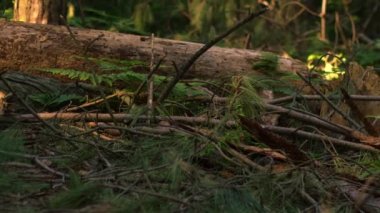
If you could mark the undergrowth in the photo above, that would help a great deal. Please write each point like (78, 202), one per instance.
(189, 169)
(158, 174)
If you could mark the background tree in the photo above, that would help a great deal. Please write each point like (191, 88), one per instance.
(40, 11)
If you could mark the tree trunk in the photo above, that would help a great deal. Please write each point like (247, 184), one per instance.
(40, 11)
(28, 47)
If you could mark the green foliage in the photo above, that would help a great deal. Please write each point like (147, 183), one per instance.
(120, 65)
(54, 99)
(236, 200)
(100, 19)
(368, 166)
(78, 195)
(233, 136)
(267, 64)
(246, 101)
(114, 71)
(108, 79)
(279, 192)
(6, 10)
(368, 56)
(10, 183)
(142, 15)
(7, 14)
(12, 149)
(11, 141)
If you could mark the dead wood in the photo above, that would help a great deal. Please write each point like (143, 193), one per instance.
(303, 134)
(29, 47)
(274, 141)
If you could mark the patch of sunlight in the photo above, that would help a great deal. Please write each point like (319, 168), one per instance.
(70, 10)
(328, 64)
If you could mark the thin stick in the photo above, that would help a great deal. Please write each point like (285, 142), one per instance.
(201, 51)
(151, 81)
(311, 119)
(92, 103)
(167, 197)
(244, 159)
(47, 168)
(31, 110)
(323, 20)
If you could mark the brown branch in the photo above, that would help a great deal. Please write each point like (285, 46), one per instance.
(308, 135)
(359, 115)
(311, 119)
(317, 97)
(263, 151)
(47, 168)
(120, 117)
(155, 194)
(244, 159)
(274, 141)
(331, 104)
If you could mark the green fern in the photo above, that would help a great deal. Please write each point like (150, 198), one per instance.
(180, 90)
(54, 99)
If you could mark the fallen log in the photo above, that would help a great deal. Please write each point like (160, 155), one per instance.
(29, 47)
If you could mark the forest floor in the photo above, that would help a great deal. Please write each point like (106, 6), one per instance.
(230, 151)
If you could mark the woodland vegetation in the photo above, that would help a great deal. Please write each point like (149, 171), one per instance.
(189, 106)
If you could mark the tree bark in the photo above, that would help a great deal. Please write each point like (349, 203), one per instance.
(39, 11)
(29, 47)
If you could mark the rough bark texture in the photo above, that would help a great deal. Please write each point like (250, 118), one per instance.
(39, 11)
(27, 47)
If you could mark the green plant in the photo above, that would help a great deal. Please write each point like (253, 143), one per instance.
(12, 150)
(113, 71)
(100, 19)
(368, 56)
(54, 99)
(11, 142)
(236, 200)
(6, 10)
(78, 195)
(245, 101)
(267, 64)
